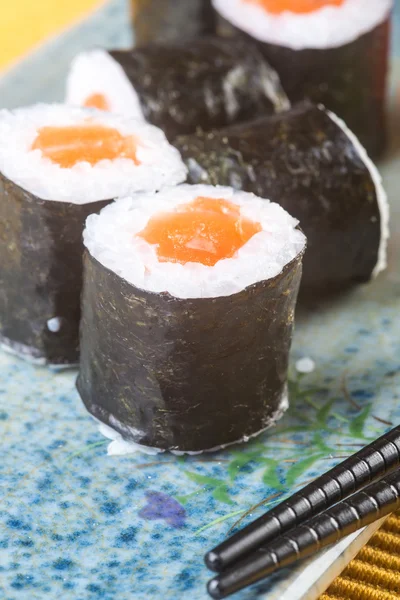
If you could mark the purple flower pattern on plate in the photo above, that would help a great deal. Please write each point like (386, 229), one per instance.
(162, 506)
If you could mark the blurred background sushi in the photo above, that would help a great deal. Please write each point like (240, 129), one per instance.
(335, 52)
(181, 87)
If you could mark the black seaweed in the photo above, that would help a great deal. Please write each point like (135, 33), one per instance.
(350, 80)
(225, 28)
(302, 160)
(40, 273)
(210, 83)
(171, 20)
(185, 374)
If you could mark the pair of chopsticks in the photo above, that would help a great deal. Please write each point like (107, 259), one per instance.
(355, 493)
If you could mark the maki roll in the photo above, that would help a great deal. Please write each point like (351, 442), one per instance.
(310, 163)
(171, 20)
(58, 165)
(329, 51)
(188, 307)
(207, 84)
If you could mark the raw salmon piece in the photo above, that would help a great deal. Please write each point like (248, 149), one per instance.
(205, 231)
(91, 143)
(295, 6)
(97, 101)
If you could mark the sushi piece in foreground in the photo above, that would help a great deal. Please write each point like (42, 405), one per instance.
(188, 308)
(209, 83)
(58, 165)
(330, 51)
(311, 164)
(171, 20)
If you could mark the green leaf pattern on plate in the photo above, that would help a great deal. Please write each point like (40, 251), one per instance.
(279, 476)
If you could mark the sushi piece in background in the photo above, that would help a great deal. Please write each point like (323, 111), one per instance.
(58, 165)
(171, 20)
(209, 83)
(310, 163)
(333, 52)
(188, 308)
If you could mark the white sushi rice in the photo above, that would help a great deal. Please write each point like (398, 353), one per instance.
(96, 72)
(122, 447)
(160, 163)
(111, 238)
(381, 195)
(327, 27)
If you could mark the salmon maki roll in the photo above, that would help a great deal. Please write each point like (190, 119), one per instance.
(57, 166)
(188, 309)
(181, 87)
(333, 52)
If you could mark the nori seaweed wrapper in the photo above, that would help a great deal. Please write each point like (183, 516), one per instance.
(41, 274)
(305, 162)
(225, 28)
(185, 374)
(350, 80)
(209, 83)
(171, 20)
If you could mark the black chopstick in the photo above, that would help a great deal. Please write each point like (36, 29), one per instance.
(374, 502)
(368, 465)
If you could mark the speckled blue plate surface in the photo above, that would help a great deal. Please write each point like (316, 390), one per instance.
(76, 523)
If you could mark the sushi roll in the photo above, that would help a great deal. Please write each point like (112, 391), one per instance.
(333, 52)
(209, 83)
(58, 165)
(188, 306)
(171, 20)
(310, 163)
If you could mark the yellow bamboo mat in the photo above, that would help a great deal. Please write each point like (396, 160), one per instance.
(375, 572)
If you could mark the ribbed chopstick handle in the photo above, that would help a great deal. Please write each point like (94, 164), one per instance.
(373, 461)
(365, 507)
(377, 501)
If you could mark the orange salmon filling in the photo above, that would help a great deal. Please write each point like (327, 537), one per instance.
(97, 101)
(204, 231)
(67, 146)
(295, 6)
